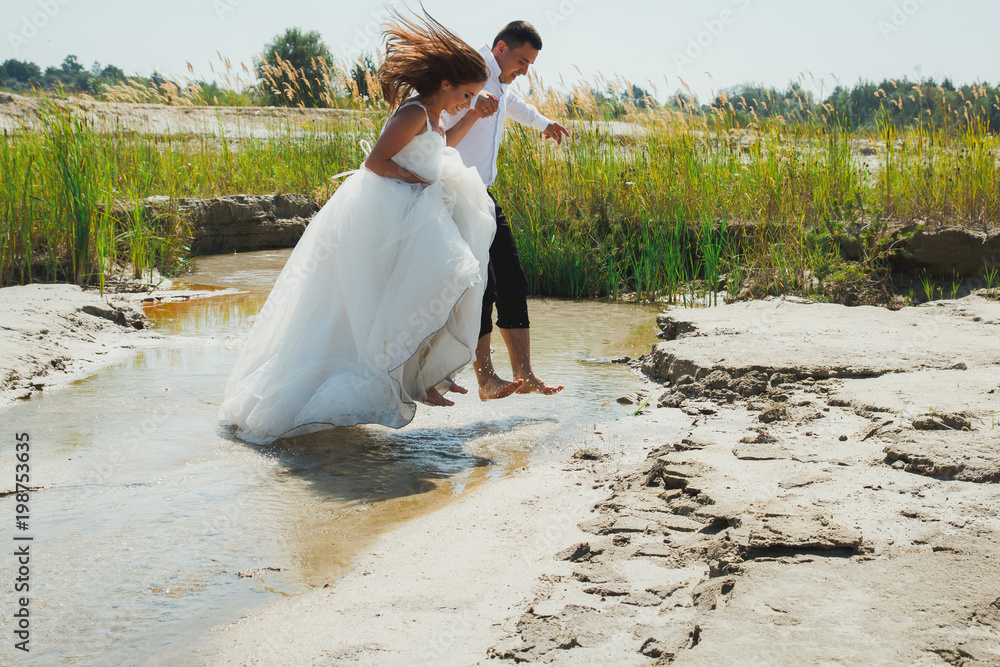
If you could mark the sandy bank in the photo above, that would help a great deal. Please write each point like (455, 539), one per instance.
(817, 484)
(444, 588)
(53, 334)
(19, 111)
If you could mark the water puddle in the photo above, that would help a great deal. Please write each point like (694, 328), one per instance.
(153, 527)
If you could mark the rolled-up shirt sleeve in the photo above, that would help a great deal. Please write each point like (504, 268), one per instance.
(525, 114)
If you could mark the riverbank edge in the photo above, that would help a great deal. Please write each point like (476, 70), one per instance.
(446, 587)
(573, 526)
(53, 334)
(759, 509)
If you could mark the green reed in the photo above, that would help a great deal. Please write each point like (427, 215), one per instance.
(669, 205)
(70, 148)
(783, 196)
(72, 194)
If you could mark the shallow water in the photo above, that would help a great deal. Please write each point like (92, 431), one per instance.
(149, 513)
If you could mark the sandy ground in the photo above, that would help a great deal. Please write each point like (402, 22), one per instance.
(818, 485)
(20, 111)
(53, 334)
(810, 484)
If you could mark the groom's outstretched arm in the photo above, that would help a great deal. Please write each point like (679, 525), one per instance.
(527, 114)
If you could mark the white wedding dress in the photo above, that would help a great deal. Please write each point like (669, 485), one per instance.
(379, 301)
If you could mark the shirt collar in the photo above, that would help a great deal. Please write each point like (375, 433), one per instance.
(491, 62)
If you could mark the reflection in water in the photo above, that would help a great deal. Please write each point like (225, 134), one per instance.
(150, 511)
(370, 479)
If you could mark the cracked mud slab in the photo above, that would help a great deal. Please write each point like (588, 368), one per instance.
(836, 503)
(874, 612)
(804, 339)
(963, 456)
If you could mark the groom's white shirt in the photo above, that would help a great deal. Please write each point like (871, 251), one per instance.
(480, 146)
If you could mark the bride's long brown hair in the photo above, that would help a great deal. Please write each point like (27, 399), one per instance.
(420, 54)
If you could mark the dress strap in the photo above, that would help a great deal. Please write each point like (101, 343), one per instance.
(415, 101)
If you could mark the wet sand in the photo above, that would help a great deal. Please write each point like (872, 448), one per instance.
(54, 334)
(810, 483)
(198, 529)
(817, 484)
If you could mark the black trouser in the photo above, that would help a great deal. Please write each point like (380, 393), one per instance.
(507, 285)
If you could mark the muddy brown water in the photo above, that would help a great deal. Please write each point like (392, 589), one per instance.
(150, 514)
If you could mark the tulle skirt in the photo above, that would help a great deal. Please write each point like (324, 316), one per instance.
(379, 301)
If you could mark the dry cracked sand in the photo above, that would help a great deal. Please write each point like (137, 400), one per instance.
(816, 485)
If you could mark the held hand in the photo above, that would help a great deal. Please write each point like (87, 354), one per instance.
(486, 105)
(556, 132)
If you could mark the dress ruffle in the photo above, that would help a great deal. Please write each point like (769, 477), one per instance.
(379, 301)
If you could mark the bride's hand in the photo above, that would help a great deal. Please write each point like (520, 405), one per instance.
(409, 177)
(486, 106)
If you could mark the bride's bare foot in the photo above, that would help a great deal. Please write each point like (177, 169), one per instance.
(534, 385)
(434, 397)
(458, 389)
(495, 387)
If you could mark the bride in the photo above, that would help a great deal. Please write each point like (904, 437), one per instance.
(379, 304)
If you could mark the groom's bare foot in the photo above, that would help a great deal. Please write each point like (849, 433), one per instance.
(534, 385)
(458, 389)
(496, 387)
(434, 397)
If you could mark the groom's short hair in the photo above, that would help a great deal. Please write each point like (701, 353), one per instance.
(517, 33)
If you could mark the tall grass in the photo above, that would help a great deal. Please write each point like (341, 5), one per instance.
(72, 193)
(673, 203)
(674, 197)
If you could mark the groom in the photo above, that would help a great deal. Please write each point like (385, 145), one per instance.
(476, 135)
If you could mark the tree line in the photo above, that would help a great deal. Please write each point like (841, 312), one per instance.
(296, 68)
(867, 105)
(21, 76)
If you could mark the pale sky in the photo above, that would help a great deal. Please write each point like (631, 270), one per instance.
(712, 44)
